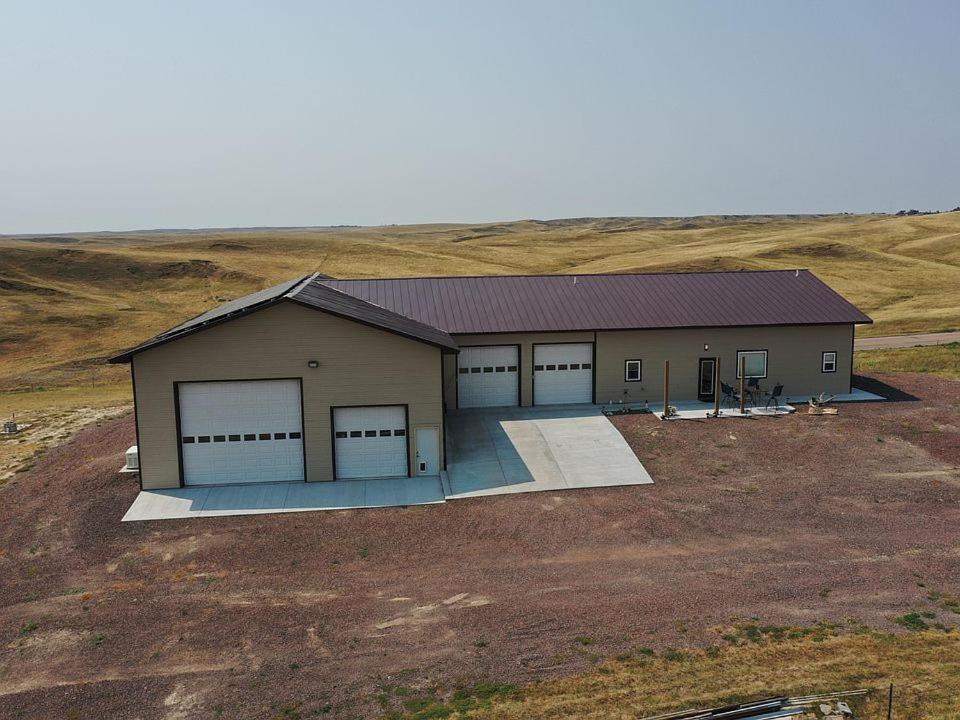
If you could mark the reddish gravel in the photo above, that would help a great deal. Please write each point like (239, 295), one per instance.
(790, 520)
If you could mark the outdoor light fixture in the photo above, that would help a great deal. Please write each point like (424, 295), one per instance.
(313, 364)
(706, 347)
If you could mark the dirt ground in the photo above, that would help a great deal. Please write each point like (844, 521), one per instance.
(788, 520)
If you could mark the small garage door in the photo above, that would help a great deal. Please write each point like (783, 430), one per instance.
(370, 442)
(563, 374)
(240, 432)
(487, 376)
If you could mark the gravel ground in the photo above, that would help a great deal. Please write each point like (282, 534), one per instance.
(789, 520)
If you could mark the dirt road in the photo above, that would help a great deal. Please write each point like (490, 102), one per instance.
(902, 341)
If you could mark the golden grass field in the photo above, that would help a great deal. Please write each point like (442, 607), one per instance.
(923, 667)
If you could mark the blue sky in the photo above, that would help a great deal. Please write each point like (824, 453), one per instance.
(202, 114)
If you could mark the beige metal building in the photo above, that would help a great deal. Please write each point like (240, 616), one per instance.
(320, 379)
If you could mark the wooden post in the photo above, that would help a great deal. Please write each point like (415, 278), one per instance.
(716, 387)
(666, 386)
(743, 379)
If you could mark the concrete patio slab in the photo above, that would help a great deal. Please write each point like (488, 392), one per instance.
(498, 451)
(857, 395)
(697, 410)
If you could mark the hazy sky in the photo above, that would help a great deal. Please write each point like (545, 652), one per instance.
(196, 114)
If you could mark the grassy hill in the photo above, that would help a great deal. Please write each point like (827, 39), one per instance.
(68, 301)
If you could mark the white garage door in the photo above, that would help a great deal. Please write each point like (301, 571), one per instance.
(240, 431)
(370, 442)
(487, 376)
(562, 374)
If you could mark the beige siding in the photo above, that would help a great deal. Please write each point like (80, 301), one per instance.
(359, 365)
(793, 358)
(794, 354)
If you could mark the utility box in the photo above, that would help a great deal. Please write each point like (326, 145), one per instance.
(133, 458)
(10, 427)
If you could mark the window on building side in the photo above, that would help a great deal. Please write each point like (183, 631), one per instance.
(755, 363)
(828, 363)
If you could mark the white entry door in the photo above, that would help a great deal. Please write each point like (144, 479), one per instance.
(428, 451)
(370, 442)
(240, 431)
(487, 376)
(563, 374)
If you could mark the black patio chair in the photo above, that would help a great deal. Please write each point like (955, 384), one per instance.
(753, 390)
(775, 396)
(730, 394)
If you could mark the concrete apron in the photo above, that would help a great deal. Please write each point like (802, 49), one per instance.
(490, 452)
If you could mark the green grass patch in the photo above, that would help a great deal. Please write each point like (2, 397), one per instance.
(913, 621)
(402, 703)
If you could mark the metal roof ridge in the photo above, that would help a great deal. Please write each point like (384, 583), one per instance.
(575, 274)
(302, 283)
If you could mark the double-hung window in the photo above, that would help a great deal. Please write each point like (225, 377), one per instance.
(632, 371)
(754, 363)
(828, 361)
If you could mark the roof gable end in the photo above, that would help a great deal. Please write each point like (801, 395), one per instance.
(306, 292)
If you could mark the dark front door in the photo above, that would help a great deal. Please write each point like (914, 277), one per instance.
(705, 378)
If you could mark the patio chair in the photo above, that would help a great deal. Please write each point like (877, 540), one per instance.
(775, 396)
(730, 394)
(754, 390)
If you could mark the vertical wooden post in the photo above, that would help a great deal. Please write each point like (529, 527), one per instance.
(716, 387)
(666, 386)
(743, 379)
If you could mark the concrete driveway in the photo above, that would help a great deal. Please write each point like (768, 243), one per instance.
(493, 451)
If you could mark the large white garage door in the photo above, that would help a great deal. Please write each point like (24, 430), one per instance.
(487, 376)
(562, 374)
(370, 442)
(240, 431)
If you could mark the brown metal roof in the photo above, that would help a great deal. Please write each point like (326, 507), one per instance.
(550, 303)
(432, 309)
